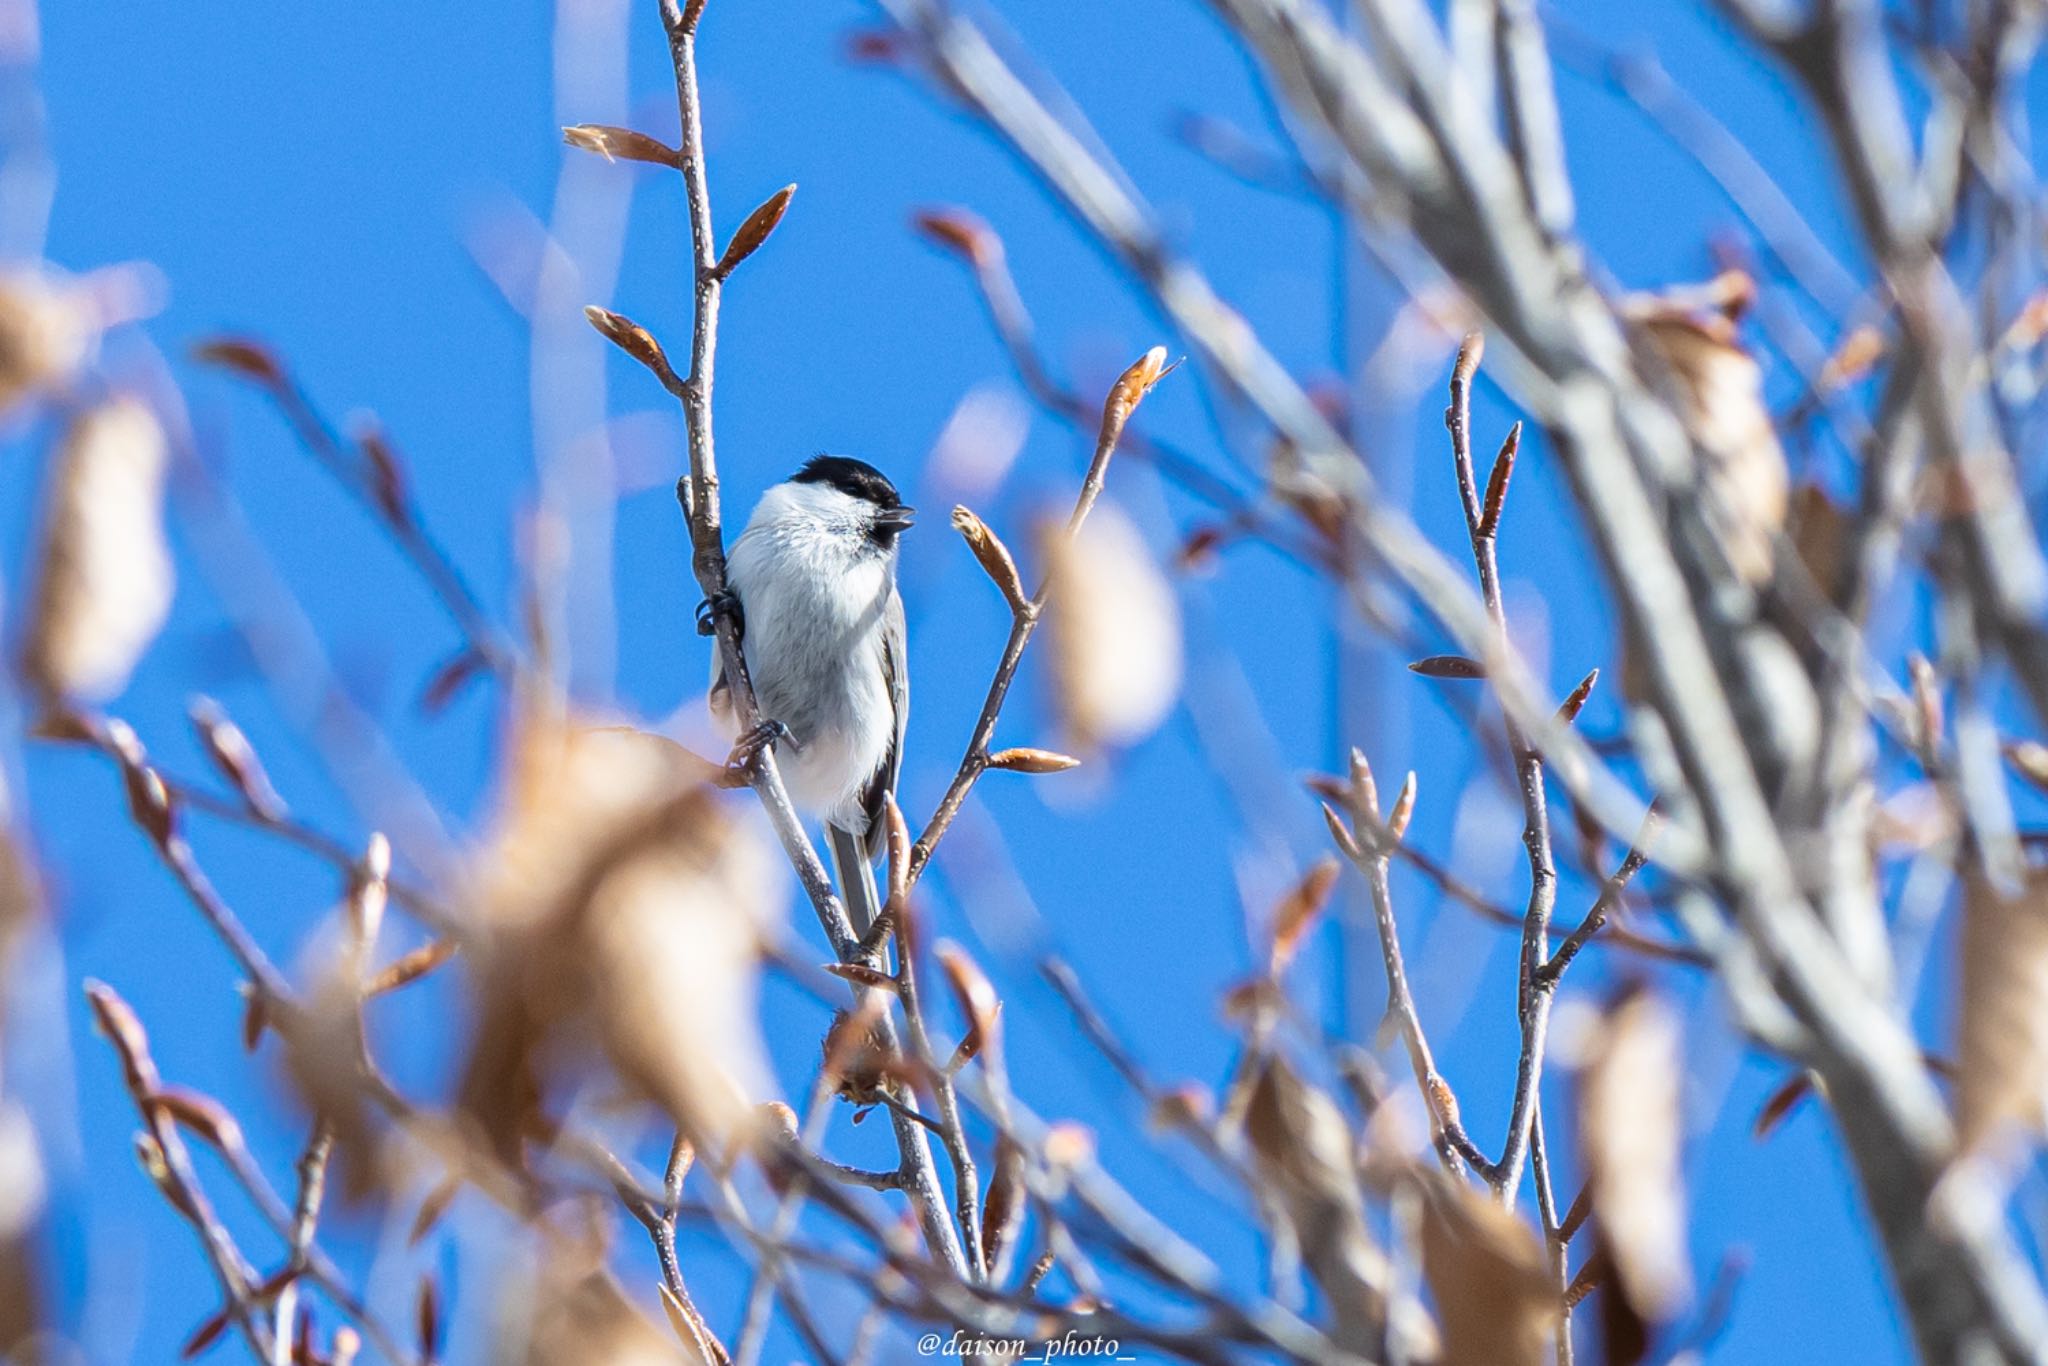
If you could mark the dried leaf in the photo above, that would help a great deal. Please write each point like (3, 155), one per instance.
(2003, 1048)
(1448, 666)
(235, 758)
(1114, 633)
(1302, 1149)
(1722, 386)
(49, 330)
(755, 231)
(1488, 1274)
(1298, 910)
(858, 1054)
(1032, 761)
(622, 902)
(1630, 1133)
(104, 574)
(2030, 758)
(621, 144)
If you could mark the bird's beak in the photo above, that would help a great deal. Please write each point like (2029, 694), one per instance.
(896, 519)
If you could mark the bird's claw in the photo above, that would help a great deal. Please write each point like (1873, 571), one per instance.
(740, 762)
(724, 603)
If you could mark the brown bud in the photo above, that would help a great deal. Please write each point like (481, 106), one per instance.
(994, 556)
(1568, 710)
(411, 967)
(755, 230)
(1404, 807)
(1497, 482)
(1448, 666)
(621, 144)
(235, 758)
(635, 340)
(1032, 761)
(962, 233)
(252, 360)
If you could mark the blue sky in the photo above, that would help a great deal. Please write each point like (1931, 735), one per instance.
(320, 175)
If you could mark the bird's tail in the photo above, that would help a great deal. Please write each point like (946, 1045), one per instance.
(856, 874)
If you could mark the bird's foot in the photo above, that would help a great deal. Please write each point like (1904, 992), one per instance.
(724, 603)
(739, 765)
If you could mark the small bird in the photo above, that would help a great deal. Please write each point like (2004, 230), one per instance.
(812, 582)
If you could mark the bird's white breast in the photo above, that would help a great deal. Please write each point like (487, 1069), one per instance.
(814, 593)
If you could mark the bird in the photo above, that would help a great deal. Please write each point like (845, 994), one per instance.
(811, 588)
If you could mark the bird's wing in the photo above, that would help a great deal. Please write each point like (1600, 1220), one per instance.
(896, 669)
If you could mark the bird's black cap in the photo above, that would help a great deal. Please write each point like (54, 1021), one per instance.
(855, 478)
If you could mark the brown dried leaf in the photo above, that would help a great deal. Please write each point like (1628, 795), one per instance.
(104, 574)
(1448, 666)
(624, 904)
(1032, 761)
(49, 330)
(1819, 529)
(235, 758)
(1724, 407)
(2003, 1048)
(755, 231)
(1297, 912)
(621, 144)
(1488, 1274)
(1114, 633)
(858, 1054)
(1630, 1134)
(2030, 758)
